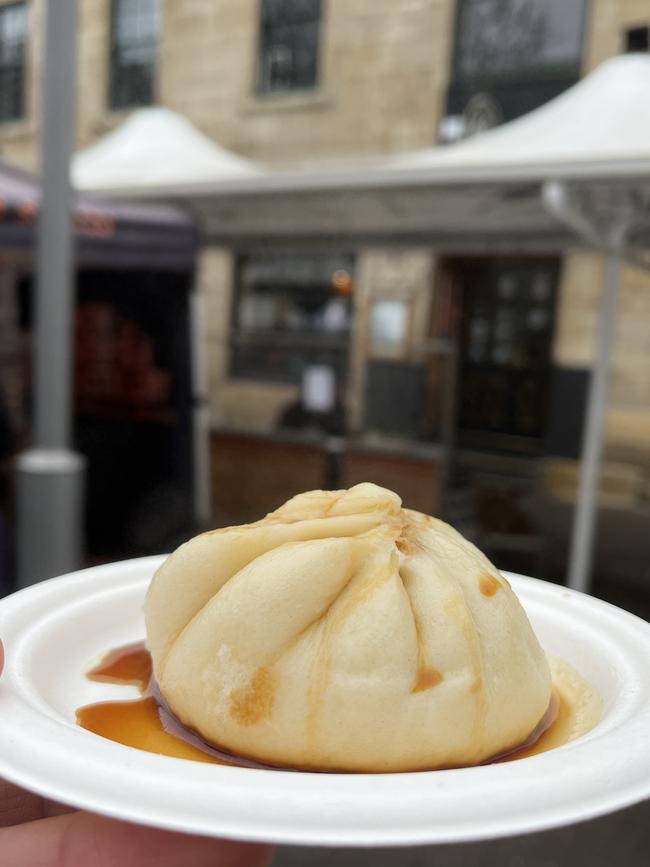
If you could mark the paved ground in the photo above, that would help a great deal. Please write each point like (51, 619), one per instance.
(621, 840)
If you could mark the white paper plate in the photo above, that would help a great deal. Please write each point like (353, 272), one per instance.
(54, 631)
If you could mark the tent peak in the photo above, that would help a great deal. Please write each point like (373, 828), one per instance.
(603, 117)
(156, 147)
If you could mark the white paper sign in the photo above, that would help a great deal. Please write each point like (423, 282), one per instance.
(318, 388)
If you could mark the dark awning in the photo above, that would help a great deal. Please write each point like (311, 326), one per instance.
(108, 233)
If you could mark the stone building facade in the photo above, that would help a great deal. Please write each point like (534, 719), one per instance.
(385, 69)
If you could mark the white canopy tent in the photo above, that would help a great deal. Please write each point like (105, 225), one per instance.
(576, 171)
(592, 126)
(153, 148)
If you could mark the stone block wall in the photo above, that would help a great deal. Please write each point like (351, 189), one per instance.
(383, 69)
(607, 20)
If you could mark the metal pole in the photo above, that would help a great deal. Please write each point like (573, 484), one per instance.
(50, 475)
(200, 415)
(585, 517)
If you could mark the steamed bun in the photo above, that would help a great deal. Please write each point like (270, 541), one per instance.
(344, 632)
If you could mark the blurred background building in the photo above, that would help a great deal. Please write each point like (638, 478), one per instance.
(459, 381)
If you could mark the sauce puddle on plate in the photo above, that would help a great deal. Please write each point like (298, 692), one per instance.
(147, 724)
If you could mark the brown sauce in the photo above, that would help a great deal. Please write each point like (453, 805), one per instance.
(427, 678)
(147, 724)
(488, 584)
(143, 723)
(130, 664)
(555, 729)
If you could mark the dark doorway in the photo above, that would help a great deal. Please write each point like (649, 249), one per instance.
(504, 318)
(506, 331)
(133, 409)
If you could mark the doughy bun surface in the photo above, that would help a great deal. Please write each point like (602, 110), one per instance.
(344, 632)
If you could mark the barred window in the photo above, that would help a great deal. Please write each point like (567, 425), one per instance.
(134, 46)
(289, 45)
(13, 35)
(637, 39)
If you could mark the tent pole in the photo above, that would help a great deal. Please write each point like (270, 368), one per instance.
(200, 414)
(50, 475)
(585, 517)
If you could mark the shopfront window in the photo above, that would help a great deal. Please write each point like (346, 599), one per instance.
(291, 311)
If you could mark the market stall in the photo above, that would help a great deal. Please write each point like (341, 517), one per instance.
(133, 388)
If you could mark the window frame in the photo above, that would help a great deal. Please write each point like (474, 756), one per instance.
(21, 101)
(115, 104)
(265, 92)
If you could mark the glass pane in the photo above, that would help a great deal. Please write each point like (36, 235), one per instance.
(507, 286)
(501, 37)
(133, 52)
(542, 287)
(13, 27)
(538, 318)
(289, 45)
(282, 12)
